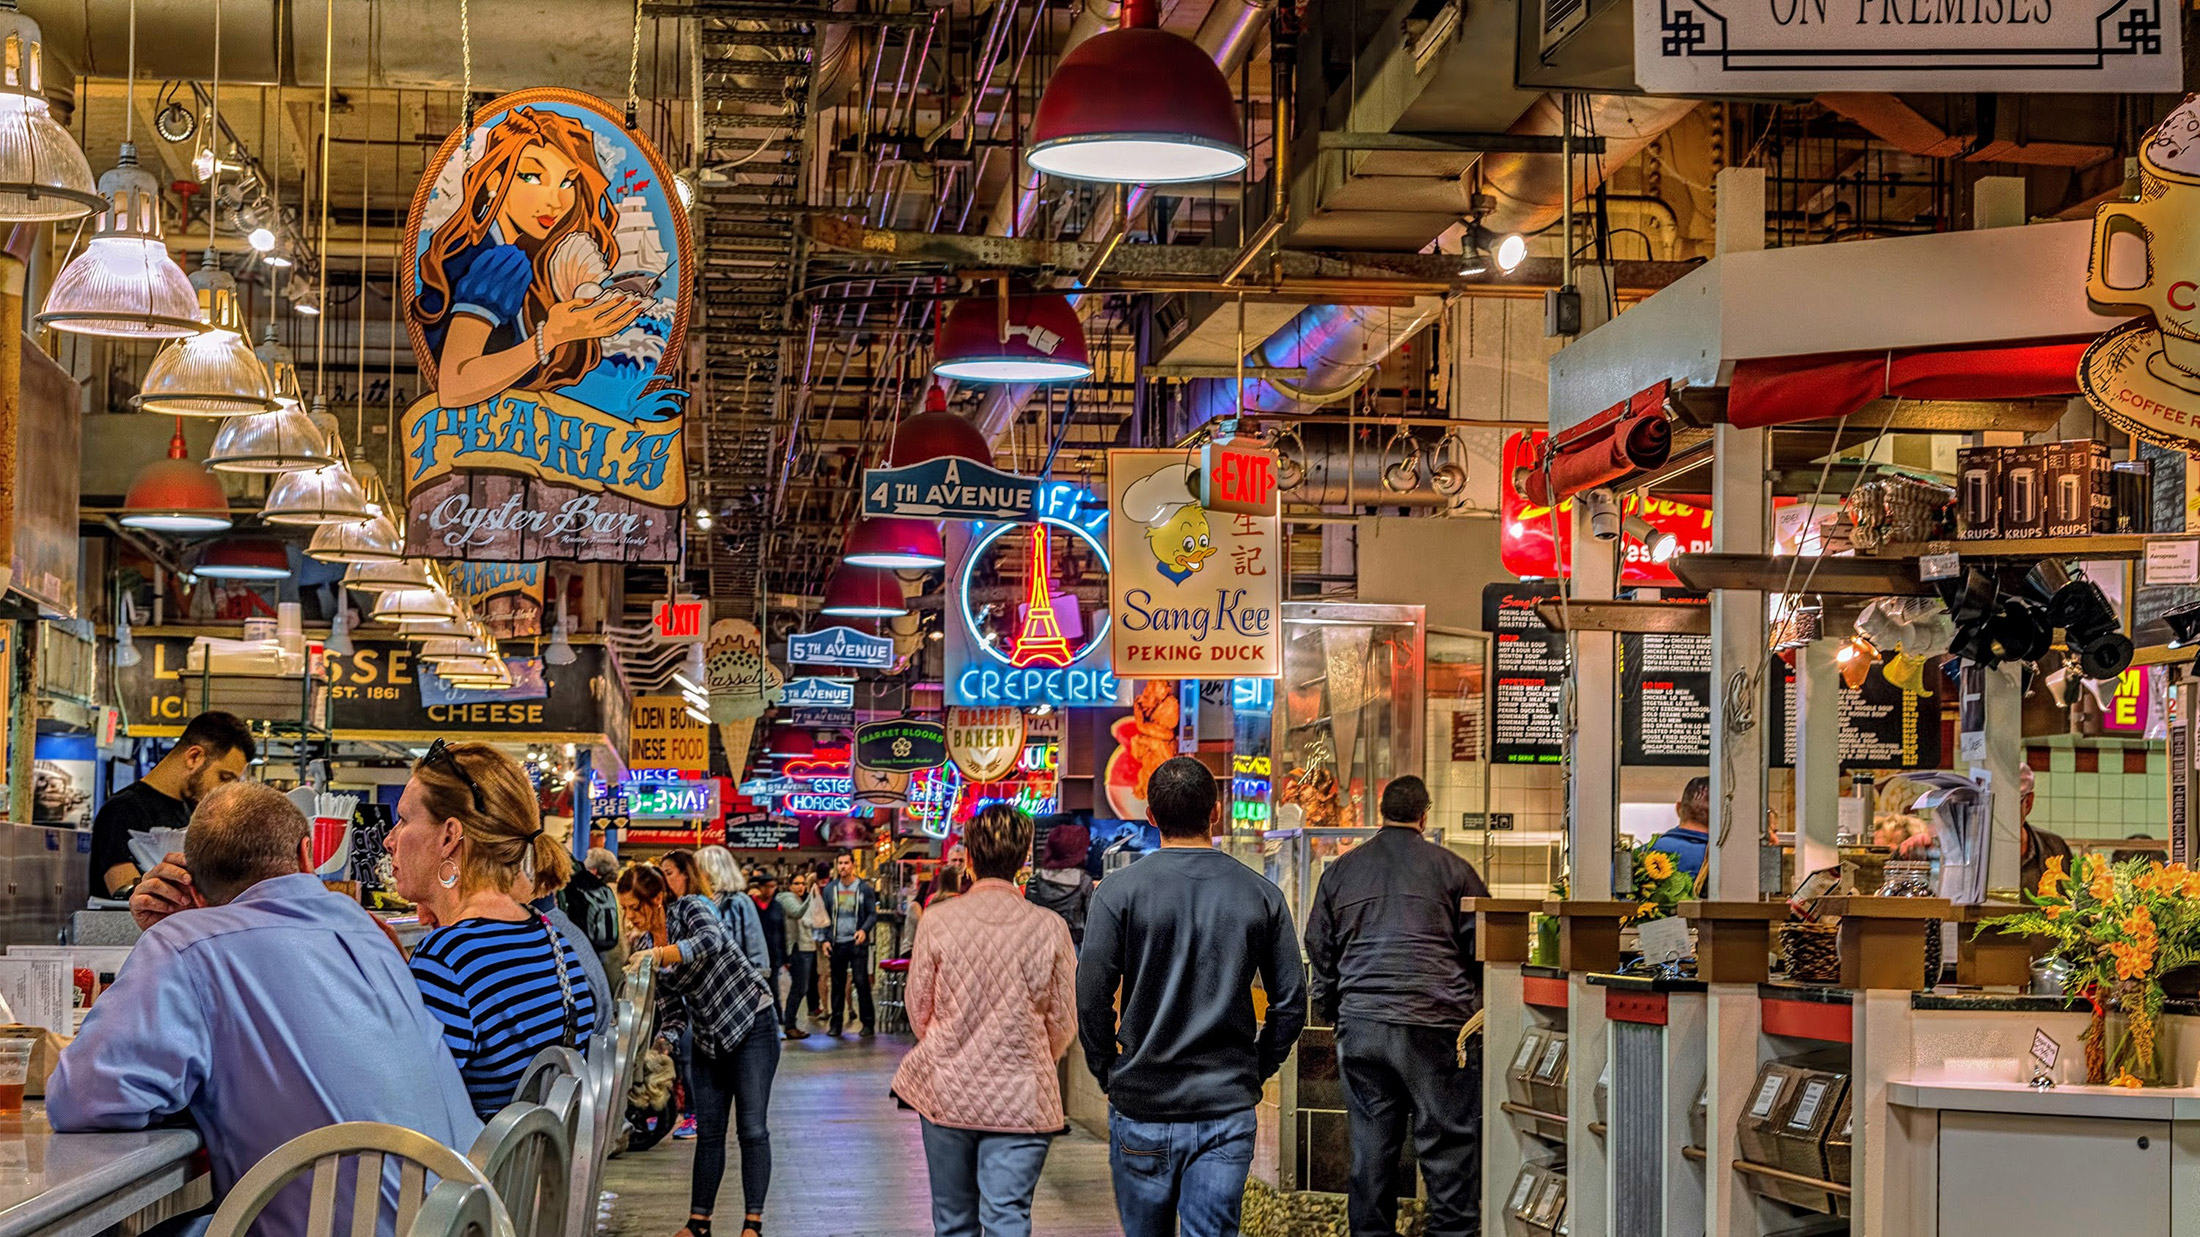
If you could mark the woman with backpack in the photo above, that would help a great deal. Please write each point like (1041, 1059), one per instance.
(687, 875)
(1060, 882)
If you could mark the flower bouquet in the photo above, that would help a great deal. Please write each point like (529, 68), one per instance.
(2121, 927)
(1659, 885)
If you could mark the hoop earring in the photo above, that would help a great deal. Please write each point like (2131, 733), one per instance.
(451, 881)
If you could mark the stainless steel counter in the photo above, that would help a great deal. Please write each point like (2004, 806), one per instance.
(76, 1185)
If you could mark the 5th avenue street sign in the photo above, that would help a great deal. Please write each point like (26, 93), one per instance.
(951, 489)
(840, 646)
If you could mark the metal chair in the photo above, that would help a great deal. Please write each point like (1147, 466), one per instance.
(893, 1014)
(558, 1080)
(374, 1146)
(526, 1157)
(458, 1209)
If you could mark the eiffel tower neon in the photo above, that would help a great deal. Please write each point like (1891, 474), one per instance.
(1040, 643)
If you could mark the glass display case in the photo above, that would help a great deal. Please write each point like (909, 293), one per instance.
(1348, 711)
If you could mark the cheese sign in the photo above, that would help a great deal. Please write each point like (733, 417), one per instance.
(667, 735)
(1193, 594)
(985, 742)
(1237, 479)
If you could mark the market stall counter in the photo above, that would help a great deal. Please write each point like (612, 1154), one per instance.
(77, 1185)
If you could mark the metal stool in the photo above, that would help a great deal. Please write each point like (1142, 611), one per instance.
(893, 1015)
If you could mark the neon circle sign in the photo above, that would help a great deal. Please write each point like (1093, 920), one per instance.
(991, 671)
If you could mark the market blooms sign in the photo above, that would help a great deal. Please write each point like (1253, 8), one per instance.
(546, 291)
(1194, 595)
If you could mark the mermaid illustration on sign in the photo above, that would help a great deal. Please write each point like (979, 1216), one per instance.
(547, 303)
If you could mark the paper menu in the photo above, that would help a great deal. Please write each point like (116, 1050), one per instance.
(38, 991)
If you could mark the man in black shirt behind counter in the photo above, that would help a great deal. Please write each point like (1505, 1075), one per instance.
(214, 749)
(1391, 949)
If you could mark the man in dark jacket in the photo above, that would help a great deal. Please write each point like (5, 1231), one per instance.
(1059, 881)
(1392, 954)
(853, 904)
(1183, 933)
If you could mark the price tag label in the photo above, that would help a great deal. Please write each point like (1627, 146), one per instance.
(2173, 561)
(2044, 1048)
(1663, 940)
(1939, 566)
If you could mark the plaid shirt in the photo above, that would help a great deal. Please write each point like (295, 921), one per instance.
(714, 989)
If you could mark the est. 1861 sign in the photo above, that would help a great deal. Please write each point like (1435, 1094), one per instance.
(546, 294)
(1191, 596)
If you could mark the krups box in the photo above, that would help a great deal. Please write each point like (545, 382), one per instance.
(1978, 493)
(2080, 488)
(2024, 491)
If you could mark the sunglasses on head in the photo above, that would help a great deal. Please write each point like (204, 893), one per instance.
(441, 751)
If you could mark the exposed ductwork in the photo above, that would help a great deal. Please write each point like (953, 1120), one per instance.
(1339, 347)
(414, 43)
(1531, 189)
(1341, 471)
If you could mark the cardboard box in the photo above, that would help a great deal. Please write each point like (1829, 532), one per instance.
(1978, 493)
(2024, 491)
(2080, 496)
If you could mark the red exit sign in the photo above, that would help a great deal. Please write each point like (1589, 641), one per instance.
(683, 619)
(1238, 479)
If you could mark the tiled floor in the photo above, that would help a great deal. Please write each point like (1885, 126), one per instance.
(846, 1161)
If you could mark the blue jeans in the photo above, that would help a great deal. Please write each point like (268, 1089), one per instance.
(982, 1183)
(739, 1085)
(1189, 1171)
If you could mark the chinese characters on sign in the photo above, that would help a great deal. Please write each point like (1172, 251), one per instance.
(1193, 594)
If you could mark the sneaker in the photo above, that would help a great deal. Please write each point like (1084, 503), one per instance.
(685, 1129)
(797, 1033)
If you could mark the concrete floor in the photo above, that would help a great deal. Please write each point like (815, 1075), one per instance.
(847, 1162)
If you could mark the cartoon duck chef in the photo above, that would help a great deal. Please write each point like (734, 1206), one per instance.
(1175, 523)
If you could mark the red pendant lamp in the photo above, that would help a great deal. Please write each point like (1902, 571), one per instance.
(863, 592)
(935, 434)
(176, 495)
(896, 543)
(1137, 105)
(244, 558)
(1019, 335)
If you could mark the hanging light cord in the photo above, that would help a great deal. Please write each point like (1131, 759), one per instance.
(213, 140)
(634, 68)
(466, 70)
(129, 84)
(328, 112)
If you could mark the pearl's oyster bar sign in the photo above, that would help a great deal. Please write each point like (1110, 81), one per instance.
(546, 292)
(1765, 46)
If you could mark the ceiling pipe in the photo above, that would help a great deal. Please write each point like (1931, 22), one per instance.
(1343, 471)
(1531, 189)
(1339, 347)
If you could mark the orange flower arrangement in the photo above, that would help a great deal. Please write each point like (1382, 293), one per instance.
(2121, 927)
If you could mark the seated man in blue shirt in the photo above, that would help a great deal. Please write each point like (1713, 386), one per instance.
(273, 1008)
(1690, 840)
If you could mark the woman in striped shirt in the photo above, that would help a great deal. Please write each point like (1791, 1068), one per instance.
(499, 977)
(709, 984)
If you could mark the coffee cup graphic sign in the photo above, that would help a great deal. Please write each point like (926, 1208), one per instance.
(546, 292)
(900, 746)
(2145, 375)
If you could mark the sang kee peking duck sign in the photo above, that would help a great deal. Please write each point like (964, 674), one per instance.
(547, 299)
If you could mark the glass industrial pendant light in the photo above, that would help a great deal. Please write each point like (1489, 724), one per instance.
(124, 284)
(282, 368)
(280, 441)
(44, 177)
(328, 494)
(175, 495)
(374, 539)
(409, 607)
(386, 577)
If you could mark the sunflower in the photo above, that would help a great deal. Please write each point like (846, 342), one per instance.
(1658, 865)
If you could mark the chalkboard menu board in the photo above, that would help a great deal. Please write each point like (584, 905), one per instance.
(1664, 699)
(1528, 680)
(1882, 726)
(757, 831)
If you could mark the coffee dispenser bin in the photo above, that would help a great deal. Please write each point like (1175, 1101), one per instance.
(1799, 1140)
(1522, 1071)
(1839, 1137)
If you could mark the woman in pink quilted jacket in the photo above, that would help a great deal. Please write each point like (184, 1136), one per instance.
(992, 996)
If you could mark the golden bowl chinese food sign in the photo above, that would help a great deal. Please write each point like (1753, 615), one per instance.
(547, 299)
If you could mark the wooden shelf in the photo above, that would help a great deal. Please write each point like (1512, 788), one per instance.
(1680, 618)
(1834, 575)
(2096, 545)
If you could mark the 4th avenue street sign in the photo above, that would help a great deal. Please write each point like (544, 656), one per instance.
(951, 489)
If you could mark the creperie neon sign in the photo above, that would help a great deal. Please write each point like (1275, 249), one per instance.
(986, 671)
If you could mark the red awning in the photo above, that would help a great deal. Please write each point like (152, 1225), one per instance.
(1785, 390)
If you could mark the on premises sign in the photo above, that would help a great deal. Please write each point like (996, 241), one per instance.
(1704, 47)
